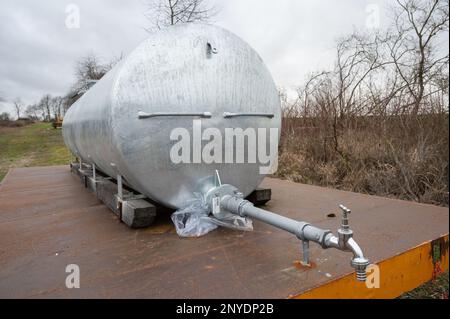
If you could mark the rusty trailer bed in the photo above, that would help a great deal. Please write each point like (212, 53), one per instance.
(49, 220)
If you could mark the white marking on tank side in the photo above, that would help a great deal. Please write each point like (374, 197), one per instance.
(234, 141)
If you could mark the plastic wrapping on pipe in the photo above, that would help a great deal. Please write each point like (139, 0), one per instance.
(194, 219)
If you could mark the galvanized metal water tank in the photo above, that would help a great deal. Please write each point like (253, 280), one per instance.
(187, 70)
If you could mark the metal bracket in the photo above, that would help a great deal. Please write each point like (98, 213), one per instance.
(119, 187)
(210, 49)
(143, 115)
(217, 180)
(305, 259)
(121, 196)
(229, 114)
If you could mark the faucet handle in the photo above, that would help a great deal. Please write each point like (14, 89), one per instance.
(344, 209)
(344, 221)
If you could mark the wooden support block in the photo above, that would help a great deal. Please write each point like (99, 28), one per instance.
(138, 213)
(134, 212)
(260, 196)
(106, 192)
(91, 184)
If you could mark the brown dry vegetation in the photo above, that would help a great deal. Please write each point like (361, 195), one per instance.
(377, 122)
(405, 158)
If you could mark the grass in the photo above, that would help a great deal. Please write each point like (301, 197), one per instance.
(434, 289)
(37, 144)
(40, 144)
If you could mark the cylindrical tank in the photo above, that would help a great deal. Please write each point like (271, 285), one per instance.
(179, 75)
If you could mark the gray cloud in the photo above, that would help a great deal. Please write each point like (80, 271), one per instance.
(38, 51)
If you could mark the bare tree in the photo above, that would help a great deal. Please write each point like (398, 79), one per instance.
(18, 106)
(40, 107)
(412, 46)
(88, 70)
(164, 13)
(380, 116)
(57, 104)
(390, 71)
(32, 111)
(45, 107)
(67, 102)
(341, 94)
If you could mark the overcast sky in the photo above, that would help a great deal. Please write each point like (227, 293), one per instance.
(38, 51)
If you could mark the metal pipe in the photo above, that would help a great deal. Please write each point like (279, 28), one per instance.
(304, 231)
(245, 208)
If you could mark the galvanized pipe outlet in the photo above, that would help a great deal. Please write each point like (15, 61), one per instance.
(303, 230)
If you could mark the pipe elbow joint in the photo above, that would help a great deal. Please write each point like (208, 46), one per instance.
(359, 262)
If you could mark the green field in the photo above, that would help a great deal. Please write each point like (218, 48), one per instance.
(38, 144)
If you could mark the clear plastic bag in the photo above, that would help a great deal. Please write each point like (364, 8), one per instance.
(233, 221)
(194, 219)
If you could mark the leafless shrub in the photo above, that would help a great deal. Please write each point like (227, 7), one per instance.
(4, 117)
(378, 122)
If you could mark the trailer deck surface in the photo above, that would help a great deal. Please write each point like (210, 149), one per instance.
(48, 220)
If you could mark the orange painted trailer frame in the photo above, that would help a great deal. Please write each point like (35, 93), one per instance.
(397, 274)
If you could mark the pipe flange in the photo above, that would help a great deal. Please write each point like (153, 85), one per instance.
(241, 206)
(221, 191)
